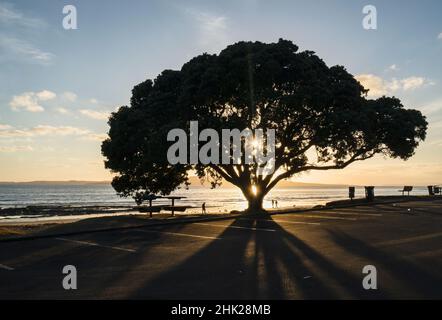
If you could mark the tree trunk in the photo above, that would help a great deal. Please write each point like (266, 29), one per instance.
(254, 203)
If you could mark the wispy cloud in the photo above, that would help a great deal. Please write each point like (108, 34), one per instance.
(440, 36)
(12, 134)
(9, 15)
(379, 86)
(5, 126)
(17, 30)
(30, 101)
(93, 114)
(17, 49)
(213, 29)
(432, 107)
(10, 149)
(95, 137)
(62, 110)
(44, 130)
(69, 96)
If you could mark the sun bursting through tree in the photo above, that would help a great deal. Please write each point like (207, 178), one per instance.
(236, 147)
(311, 107)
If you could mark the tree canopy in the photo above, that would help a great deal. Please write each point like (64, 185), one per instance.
(311, 106)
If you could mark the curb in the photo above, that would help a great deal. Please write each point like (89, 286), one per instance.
(137, 226)
(378, 203)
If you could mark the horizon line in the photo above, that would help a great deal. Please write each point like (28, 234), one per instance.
(294, 182)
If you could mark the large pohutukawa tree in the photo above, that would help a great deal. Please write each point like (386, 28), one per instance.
(255, 85)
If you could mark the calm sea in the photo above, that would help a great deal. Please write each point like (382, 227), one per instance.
(218, 200)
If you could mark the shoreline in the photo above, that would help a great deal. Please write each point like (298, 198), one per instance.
(23, 228)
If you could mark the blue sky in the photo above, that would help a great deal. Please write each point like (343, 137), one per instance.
(57, 86)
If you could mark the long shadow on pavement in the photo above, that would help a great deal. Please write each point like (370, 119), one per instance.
(255, 265)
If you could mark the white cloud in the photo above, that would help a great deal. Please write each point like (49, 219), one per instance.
(9, 149)
(62, 110)
(93, 101)
(45, 95)
(14, 135)
(5, 126)
(14, 49)
(379, 86)
(69, 96)
(412, 83)
(29, 101)
(98, 115)
(212, 28)
(95, 137)
(393, 67)
(440, 36)
(375, 84)
(44, 130)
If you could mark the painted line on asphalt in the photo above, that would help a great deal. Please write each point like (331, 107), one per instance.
(235, 227)
(180, 234)
(2, 266)
(94, 244)
(325, 217)
(357, 214)
(411, 239)
(428, 254)
(299, 222)
(307, 216)
(285, 221)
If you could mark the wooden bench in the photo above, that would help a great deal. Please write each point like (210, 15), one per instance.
(407, 189)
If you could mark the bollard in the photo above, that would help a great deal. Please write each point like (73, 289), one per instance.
(351, 193)
(369, 193)
(430, 190)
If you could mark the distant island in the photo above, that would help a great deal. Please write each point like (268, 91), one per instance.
(194, 182)
(69, 182)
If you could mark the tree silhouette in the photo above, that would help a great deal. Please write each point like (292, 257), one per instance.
(315, 110)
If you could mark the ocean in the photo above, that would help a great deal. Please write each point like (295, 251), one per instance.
(218, 200)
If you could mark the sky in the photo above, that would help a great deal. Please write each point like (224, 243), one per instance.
(58, 86)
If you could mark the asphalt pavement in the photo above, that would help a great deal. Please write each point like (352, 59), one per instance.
(310, 255)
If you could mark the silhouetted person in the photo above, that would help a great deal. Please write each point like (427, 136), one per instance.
(203, 207)
(273, 203)
(276, 203)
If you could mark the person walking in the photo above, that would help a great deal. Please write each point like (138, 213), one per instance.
(203, 207)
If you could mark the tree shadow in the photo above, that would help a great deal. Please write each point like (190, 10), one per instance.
(255, 265)
(39, 264)
(243, 264)
(417, 281)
